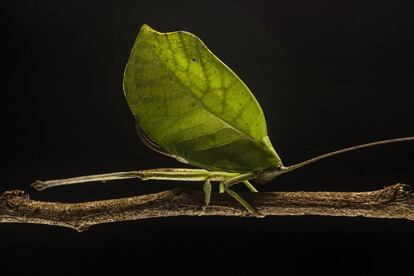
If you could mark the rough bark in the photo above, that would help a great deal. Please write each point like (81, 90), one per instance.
(395, 202)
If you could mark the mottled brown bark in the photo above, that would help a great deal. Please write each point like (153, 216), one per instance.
(396, 201)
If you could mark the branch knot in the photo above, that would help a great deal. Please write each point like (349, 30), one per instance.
(13, 194)
(395, 201)
(396, 193)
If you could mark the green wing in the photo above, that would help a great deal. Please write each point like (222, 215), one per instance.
(193, 106)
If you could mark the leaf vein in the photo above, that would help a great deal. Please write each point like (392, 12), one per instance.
(201, 103)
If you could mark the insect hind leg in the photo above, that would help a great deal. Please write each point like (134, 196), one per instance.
(170, 174)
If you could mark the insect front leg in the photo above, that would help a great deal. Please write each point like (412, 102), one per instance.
(243, 202)
(242, 178)
(250, 186)
(225, 185)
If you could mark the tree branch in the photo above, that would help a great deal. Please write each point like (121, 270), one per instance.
(396, 201)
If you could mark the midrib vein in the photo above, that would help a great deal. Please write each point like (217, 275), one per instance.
(199, 101)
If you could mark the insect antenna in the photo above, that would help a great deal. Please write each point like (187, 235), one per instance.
(330, 154)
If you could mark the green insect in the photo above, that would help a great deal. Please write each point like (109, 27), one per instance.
(189, 105)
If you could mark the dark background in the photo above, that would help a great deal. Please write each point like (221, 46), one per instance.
(328, 74)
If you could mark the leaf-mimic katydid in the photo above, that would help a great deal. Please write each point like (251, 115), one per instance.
(189, 105)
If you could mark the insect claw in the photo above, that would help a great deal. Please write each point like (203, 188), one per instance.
(202, 210)
(256, 214)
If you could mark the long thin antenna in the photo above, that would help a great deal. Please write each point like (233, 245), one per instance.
(327, 155)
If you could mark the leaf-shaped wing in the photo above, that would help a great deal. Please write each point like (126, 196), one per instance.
(192, 105)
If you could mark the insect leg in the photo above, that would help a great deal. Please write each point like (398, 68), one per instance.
(207, 194)
(226, 184)
(237, 197)
(250, 186)
(234, 180)
(221, 187)
(173, 174)
(239, 178)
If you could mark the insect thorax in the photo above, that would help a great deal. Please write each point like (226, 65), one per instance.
(269, 174)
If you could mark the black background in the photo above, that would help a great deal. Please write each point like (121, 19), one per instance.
(328, 74)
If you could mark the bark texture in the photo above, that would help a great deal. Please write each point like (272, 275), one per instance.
(394, 202)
